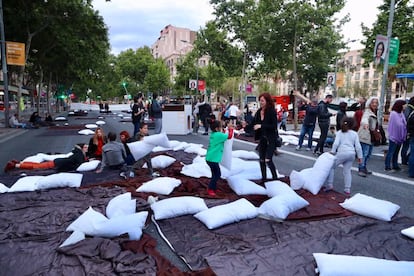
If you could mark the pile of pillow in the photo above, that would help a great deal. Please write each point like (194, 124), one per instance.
(313, 179)
(120, 218)
(283, 201)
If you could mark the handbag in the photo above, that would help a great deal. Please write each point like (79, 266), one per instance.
(279, 141)
(376, 136)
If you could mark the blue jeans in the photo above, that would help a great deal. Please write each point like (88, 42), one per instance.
(158, 125)
(306, 129)
(411, 159)
(137, 125)
(366, 153)
(392, 155)
(215, 175)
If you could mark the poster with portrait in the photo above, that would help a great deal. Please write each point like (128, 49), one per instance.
(380, 49)
(192, 84)
(330, 79)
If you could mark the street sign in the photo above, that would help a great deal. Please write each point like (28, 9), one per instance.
(15, 53)
(192, 84)
(394, 48)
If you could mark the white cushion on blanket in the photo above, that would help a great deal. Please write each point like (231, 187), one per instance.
(320, 172)
(228, 213)
(161, 162)
(158, 140)
(409, 232)
(160, 185)
(86, 132)
(88, 166)
(242, 186)
(277, 187)
(279, 207)
(139, 149)
(226, 160)
(370, 207)
(244, 154)
(60, 180)
(131, 224)
(41, 157)
(338, 265)
(121, 205)
(196, 148)
(25, 184)
(3, 188)
(75, 237)
(178, 206)
(89, 126)
(298, 179)
(87, 222)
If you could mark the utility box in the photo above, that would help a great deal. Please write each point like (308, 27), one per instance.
(177, 119)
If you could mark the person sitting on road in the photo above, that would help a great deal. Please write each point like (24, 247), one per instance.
(35, 120)
(14, 122)
(125, 139)
(96, 144)
(113, 155)
(330, 137)
(64, 164)
(143, 131)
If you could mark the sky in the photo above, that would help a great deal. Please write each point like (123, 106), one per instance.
(137, 23)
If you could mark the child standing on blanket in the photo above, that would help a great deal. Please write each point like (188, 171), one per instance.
(215, 152)
(345, 146)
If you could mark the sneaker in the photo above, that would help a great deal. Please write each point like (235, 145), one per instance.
(397, 169)
(308, 149)
(131, 174)
(298, 148)
(317, 153)
(123, 175)
(211, 192)
(362, 174)
(347, 191)
(155, 174)
(388, 170)
(205, 133)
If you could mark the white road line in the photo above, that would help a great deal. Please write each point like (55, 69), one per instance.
(386, 176)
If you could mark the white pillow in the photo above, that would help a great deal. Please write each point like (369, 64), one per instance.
(56, 180)
(370, 207)
(121, 205)
(160, 185)
(86, 132)
(242, 186)
(61, 118)
(409, 232)
(89, 126)
(277, 187)
(178, 206)
(244, 154)
(329, 264)
(196, 170)
(279, 207)
(139, 149)
(38, 158)
(158, 140)
(101, 122)
(26, 184)
(75, 237)
(131, 224)
(86, 223)
(298, 179)
(320, 172)
(197, 149)
(228, 213)
(227, 154)
(3, 188)
(88, 166)
(161, 161)
(180, 146)
(50, 157)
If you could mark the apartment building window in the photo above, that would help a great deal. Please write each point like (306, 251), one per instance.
(358, 59)
(375, 84)
(357, 84)
(376, 75)
(350, 59)
(366, 75)
(357, 76)
(358, 67)
(366, 84)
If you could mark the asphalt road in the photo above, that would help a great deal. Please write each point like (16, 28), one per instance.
(394, 187)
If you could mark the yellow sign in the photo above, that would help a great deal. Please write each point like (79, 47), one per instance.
(15, 52)
(339, 79)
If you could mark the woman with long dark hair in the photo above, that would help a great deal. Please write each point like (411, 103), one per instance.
(265, 126)
(96, 143)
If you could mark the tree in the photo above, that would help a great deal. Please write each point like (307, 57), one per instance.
(157, 78)
(402, 28)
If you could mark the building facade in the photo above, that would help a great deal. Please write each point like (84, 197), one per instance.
(173, 44)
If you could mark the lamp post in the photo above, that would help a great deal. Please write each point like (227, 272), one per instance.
(4, 68)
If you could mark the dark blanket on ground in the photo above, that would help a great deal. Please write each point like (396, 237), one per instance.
(32, 226)
(262, 247)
